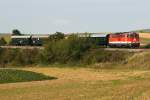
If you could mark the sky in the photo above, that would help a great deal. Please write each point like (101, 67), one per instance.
(48, 16)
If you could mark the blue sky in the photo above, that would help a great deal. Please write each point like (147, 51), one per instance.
(48, 16)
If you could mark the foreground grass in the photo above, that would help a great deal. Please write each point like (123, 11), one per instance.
(12, 76)
(82, 84)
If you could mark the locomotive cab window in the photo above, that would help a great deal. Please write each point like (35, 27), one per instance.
(136, 35)
(133, 35)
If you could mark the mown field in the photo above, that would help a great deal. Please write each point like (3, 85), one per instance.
(81, 84)
(145, 38)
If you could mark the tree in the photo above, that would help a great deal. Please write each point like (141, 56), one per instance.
(57, 36)
(16, 32)
(2, 41)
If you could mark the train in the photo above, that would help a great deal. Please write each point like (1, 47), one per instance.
(120, 39)
(28, 40)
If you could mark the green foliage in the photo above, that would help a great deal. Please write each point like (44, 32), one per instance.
(140, 60)
(12, 76)
(16, 32)
(57, 36)
(102, 56)
(2, 41)
(26, 57)
(18, 57)
(67, 50)
(6, 56)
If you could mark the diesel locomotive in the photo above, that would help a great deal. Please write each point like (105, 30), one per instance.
(126, 39)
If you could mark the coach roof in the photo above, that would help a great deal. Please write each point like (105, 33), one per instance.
(26, 36)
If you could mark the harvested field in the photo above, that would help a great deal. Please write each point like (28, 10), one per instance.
(144, 38)
(81, 84)
(145, 35)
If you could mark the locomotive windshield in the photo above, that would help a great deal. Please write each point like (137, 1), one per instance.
(133, 35)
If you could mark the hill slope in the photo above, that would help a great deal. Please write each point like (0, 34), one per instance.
(143, 31)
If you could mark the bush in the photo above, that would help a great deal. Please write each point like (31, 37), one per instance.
(139, 60)
(67, 50)
(18, 57)
(102, 56)
(7, 56)
(57, 36)
(16, 32)
(2, 41)
(26, 57)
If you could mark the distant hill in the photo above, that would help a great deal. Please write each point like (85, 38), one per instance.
(143, 31)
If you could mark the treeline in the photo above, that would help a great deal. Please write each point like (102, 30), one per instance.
(58, 50)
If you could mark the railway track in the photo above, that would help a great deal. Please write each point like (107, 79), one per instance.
(107, 49)
(22, 47)
(127, 49)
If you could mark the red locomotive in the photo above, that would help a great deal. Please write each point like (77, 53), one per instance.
(126, 39)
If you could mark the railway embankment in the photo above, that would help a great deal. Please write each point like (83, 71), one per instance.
(73, 52)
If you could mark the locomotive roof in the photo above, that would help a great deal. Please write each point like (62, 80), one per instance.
(124, 33)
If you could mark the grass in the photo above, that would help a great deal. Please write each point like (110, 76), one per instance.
(12, 76)
(82, 84)
(139, 61)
